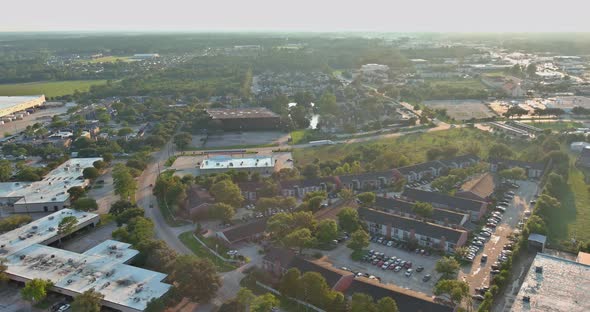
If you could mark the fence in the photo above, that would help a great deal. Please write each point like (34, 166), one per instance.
(278, 293)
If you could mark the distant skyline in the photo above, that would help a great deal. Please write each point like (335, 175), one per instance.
(299, 15)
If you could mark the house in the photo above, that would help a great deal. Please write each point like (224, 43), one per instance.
(298, 188)
(405, 209)
(435, 168)
(405, 229)
(475, 209)
(198, 202)
(461, 162)
(480, 188)
(250, 190)
(533, 170)
(242, 232)
(368, 181)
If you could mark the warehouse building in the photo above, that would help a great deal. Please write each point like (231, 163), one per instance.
(264, 165)
(102, 268)
(12, 104)
(244, 119)
(49, 194)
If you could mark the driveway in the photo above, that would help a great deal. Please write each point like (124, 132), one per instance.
(104, 192)
(340, 257)
(478, 274)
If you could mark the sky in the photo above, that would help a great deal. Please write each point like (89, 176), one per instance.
(297, 15)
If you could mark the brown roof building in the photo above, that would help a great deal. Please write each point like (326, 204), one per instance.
(243, 119)
(480, 188)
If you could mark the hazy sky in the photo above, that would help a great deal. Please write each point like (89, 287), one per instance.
(305, 15)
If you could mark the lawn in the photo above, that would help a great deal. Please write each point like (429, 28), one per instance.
(189, 241)
(558, 125)
(572, 221)
(413, 146)
(49, 88)
(458, 83)
(109, 59)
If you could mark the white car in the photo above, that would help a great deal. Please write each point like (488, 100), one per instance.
(409, 272)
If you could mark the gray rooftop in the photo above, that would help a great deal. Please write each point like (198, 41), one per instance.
(559, 286)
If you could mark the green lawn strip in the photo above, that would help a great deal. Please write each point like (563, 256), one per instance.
(558, 125)
(49, 88)
(189, 241)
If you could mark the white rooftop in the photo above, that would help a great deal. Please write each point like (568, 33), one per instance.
(38, 231)
(223, 161)
(9, 101)
(117, 251)
(53, 187)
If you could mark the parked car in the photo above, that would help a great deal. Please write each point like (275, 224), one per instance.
(478, 297)
(409, 272)
(389, 243)
(484, 258)
(419, 268)
(397, 268)
(426, 278)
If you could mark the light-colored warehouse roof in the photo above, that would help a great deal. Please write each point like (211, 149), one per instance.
(223, 161)
(117, 251)
(54, 187)
(10, 101)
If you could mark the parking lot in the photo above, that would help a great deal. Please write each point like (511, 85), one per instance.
(340, 257)
(478, 274)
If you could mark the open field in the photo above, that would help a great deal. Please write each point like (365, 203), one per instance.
(558, 125)
(458, 83)
(49, 88)
(109, 59)
(413, 146)
(462, 109)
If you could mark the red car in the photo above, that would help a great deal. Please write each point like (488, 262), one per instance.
(408, 265)
(380, 263)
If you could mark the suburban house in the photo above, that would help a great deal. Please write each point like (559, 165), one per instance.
(435, 168)
(242, 232)
(406, 229)
(368, 181)
(277, 261)
(405, 209)
(198, 201)
(250, 190)
(480, 188)
(475, 209)
(532, 169)
(298, 188)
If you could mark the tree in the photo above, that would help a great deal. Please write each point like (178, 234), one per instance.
(128, 214)
(346, 194)
(189, 271)
(546, 204)
(348, 220)
(556, 185)
(422, 209)
(366, 198)
(447, 266)
(457, 290)
(66, 225)
(224, 211)
(311, 171)
(515, 173)
(531, 70)
(76, 192)
(500, 150)
(90, 173)
(121, 206)
(182, 140)
(35, 290)
(124, 131)
(14, 221)
(85, 204)
(362, 303)
(289, 283)
(299, 238)
(123, 182)
(227, 192)
(327, 231)
(3, 268)
(264, 303)
(5, 170)
(245, 298)
(536, 225)
(315, 203)
(327, 103)
(107, 157)
(358, 240)
(314, 289)
(88, 301)
(387, 304)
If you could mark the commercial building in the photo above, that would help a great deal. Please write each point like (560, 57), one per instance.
(102, 268)
(406, 229)
(12, 104)
(554, 284)
(49, 194)
(265, 165)
(244, 119)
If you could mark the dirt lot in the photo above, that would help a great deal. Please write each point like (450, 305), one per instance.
(462, 109)
(340, 257)
(478, 274)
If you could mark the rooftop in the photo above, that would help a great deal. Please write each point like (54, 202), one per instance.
(224, 161)
(583, 258)
(117, 251)
(554, 284)
(232, 113)
(53, 187)
(9, 101)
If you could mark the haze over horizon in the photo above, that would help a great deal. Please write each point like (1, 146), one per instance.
(302, 15)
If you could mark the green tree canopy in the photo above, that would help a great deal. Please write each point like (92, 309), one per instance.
(189, 271)
(88, 301)
(447, 266)
(85, 204)
(358, 240)
(327, 231)
(423, 209)
(348, 220)
(227, 192)
(36, 289)
(66, 225)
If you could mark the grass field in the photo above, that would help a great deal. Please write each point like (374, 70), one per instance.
(559, 125)
(49, 88)
(189, 241)
(459, 83)
(572, 221)
(109, 59)
(414, 146)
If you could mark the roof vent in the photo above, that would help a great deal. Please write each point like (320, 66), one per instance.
(526, 298)
(22, 257)
(51, 217)
(538, 269)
